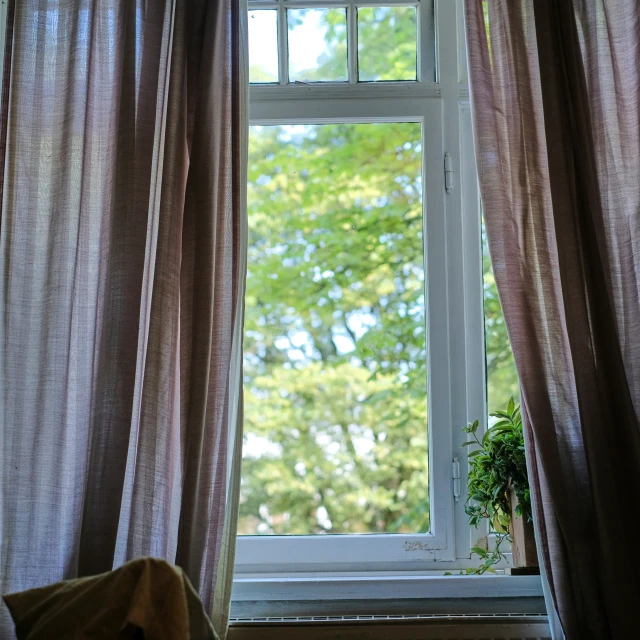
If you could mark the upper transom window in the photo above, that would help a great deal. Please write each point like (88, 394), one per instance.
(345, 42)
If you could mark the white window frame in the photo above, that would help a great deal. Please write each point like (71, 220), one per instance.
(453, 260)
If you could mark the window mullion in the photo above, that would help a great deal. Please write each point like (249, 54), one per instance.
(426, 67)
(283, 53)
(352, 43)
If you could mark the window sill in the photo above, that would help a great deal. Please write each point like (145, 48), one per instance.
(266, 597)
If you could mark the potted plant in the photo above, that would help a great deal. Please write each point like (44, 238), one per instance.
(498, 489)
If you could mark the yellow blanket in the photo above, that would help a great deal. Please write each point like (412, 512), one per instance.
(146, 598)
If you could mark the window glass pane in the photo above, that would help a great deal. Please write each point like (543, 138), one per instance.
(263, 46)
(502, 378)
(317, 45)
(335, 357)
(387, 43)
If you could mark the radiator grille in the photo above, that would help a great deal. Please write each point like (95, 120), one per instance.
(393, 627)
(461, 618)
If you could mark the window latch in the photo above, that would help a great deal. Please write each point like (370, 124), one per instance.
(456, 479)
(448, 173)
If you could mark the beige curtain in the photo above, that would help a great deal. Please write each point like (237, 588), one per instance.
(122, 266)
(557, 125)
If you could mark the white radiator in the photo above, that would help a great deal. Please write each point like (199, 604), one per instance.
(398, 627)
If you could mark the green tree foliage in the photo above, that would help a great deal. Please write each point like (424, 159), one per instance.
(387, 43)
(502, 379)
(335, 330)
(331, 64)
(335, 361)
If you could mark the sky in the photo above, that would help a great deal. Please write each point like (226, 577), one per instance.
(306, 41)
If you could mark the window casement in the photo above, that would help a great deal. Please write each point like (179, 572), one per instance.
(298, 90)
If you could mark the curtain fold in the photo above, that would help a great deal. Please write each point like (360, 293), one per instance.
(122, 267)
(557, 125)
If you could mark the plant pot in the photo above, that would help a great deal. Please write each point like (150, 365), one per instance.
(523, 543)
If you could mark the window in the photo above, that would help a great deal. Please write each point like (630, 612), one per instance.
(364, 341)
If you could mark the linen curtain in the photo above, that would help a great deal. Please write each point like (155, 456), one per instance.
(122, 267)
(556, 101)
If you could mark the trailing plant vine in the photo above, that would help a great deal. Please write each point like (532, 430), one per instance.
(496, 466)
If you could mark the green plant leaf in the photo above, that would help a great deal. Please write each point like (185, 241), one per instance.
(502, 425)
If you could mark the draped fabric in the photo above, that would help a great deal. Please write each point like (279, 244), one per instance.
(556, 98)
(122, 267)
